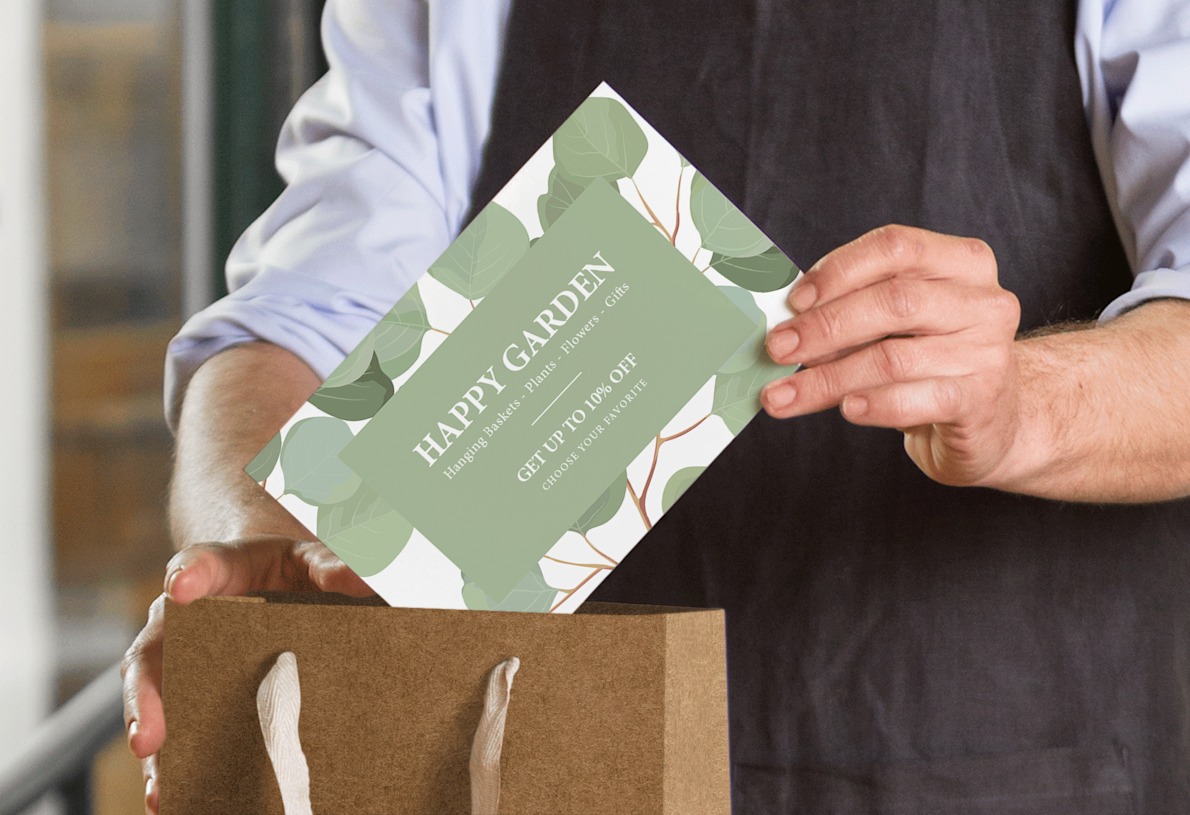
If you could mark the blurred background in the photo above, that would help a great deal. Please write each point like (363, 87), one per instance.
(137, 145)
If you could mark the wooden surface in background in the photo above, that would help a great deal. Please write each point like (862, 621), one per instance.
(119, 786)
(111, 453)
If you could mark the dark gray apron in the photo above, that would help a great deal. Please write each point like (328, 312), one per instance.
(895, 646)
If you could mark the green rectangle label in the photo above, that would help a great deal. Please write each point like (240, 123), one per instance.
(545, 393)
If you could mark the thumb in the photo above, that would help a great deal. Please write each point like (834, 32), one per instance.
(235, 568)
(329, 573)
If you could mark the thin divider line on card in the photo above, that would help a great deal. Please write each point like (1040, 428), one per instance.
(556, 398)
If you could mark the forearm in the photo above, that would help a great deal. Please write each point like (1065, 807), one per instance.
(1103, 411)
(234, 404)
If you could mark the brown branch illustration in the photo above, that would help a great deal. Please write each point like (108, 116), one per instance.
(597, 551)
(571, 592)
(677, 209)
(657, 442)
(681, 433)
(644, 493)
(639, 507)
(581, 565)
(439, 330)
(653, 215)
(638, 502)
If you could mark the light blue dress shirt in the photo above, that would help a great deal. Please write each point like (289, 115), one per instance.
(380, 156)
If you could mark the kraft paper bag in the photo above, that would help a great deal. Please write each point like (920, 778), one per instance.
(616, 709)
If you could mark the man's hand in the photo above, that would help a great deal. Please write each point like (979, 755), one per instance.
(203, 570)
(908, 329)
(233, 406)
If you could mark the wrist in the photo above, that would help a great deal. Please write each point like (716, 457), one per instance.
(232, 512)
(1040, 454)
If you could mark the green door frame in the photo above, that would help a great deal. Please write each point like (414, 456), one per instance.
(266, 52)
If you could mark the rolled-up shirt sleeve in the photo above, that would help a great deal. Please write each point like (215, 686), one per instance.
(1134, 57)
(378, 158)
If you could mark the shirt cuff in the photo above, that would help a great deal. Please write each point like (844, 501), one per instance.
(317, 321)
(1151, 285)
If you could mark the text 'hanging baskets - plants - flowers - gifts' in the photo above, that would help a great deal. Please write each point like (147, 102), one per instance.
(615, 709)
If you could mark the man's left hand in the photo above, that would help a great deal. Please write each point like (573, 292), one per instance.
(908, 329)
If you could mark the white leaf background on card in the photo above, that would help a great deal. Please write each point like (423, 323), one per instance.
(660, 188)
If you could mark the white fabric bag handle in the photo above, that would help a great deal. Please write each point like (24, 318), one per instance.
(279, 702)
(489, 739)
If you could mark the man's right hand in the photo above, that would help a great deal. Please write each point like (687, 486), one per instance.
(264, 563)
(234, 404)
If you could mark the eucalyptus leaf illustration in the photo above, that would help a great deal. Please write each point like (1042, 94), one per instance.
(678, 483)
(600, 140)
(364, 531)
(531, 593)
(750, 350)
(737, 395)
(768, 271)
(561, 192)
(358, 400)
(475, 598)
(724, 229)
(483, 253)
(395, 342)
(353, 367)
(262, 465)
(604, 508)
(399, 333)
(396, 366)
(311, 464)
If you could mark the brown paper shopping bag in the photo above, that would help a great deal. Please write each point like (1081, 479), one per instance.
(616, 709)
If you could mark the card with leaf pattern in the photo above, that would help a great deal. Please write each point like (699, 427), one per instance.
(525, 414)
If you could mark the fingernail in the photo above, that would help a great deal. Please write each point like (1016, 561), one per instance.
(170, 579)
(855, 405)
(783, 342)
(803, 296)
(780, 395)
(150, 782)
(133, 729)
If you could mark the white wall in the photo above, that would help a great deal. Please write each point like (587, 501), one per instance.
(26, 647)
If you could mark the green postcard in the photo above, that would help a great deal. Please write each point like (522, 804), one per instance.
(567, 368)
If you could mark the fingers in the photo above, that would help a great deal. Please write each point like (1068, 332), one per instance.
(149, 773)
(235, 568)
(204, 569)
(908, 329)
(943, 400)
(893, 251)
(258, 564)
(895, 306)
(328, 573)
(896, 360)
(891, 307)
(144, 714)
